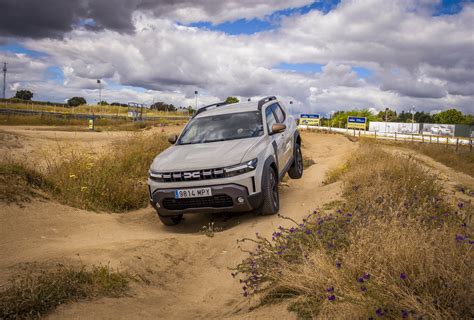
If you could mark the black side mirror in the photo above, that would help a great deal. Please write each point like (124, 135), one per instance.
(278, 128)
(172, 139)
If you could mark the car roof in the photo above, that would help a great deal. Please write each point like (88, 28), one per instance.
(230, 108)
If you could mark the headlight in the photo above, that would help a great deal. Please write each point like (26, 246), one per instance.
(240, 168)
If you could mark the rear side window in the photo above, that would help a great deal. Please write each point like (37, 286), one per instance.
(271, 120)
(280, 114)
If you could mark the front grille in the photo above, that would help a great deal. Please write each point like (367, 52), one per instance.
(217, 201)
(187, 175)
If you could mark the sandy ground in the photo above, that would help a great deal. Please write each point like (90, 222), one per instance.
(184, 273)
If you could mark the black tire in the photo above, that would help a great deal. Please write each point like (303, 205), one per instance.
(296, 169)
(271, 198)
(172, 220)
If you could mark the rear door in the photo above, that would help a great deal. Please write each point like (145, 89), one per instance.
(287, 136)
(278, 139)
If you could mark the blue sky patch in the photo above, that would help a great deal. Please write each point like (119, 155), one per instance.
(362, 72)
(241, 26)
(300, 67)
(15, 47)
(270, 22)
(449, 7)
(55, 73)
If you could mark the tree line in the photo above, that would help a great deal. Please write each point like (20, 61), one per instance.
(450, 116)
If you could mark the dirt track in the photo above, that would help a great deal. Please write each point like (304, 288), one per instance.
(185, 274)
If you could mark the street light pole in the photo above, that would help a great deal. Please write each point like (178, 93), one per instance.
(100, 94)
(196, 96)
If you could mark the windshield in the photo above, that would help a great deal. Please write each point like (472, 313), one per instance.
(223, 127)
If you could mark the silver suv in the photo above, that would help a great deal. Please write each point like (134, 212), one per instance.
(228, 158)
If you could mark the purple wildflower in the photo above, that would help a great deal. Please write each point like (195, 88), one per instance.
(403, 276)
(330, 289)
(379, 312)
(460, 238)
(363, 288)
(366, 276)
(460, 205)
(308, 231)
(338, 264)
(339, 211)
(360, 279)
(405, 314)
(332, 297)
(246, 294)
(463, 225)
(471, 241)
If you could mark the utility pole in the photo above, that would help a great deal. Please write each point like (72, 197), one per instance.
(412, 118)
(4, 78)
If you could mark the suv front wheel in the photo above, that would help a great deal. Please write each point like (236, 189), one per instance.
(271, 198)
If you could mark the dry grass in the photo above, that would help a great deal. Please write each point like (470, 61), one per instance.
(86, 109)
(461, 160)
(69, 124)
(35, 294)
(18, 183)
(397, 247)
(113, 181)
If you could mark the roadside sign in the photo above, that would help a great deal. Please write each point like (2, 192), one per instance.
(91, 124)
(309, 119)
(356, 122)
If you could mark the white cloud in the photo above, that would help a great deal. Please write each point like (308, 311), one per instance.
(416, 59)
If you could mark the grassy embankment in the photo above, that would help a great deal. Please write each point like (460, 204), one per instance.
(87, 109)
(395, 246)
(114, 181)
(33, 295)
(68, 124)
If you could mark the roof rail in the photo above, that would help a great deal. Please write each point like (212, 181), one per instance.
(214, 105)
(262, 101)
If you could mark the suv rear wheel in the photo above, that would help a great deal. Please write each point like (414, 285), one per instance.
(296, 169)
(271, 198)
(171, 221)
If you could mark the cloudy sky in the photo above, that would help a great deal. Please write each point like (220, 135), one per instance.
(323, 55)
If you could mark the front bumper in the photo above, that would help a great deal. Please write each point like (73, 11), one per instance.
(224, 199)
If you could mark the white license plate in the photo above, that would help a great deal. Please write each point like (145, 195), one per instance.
(193, 193)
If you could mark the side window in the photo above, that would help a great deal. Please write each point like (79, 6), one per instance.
(270, 118)
(280, 114)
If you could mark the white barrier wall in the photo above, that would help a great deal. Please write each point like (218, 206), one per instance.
(394, 127)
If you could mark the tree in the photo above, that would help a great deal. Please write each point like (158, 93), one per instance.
(76, 101)
(103, 103)
(230, 100)
(451, 116)
(161, 106)
(24, 94)
(387, 114)
(423, 117)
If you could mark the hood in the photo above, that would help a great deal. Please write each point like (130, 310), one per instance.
(203, 155)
